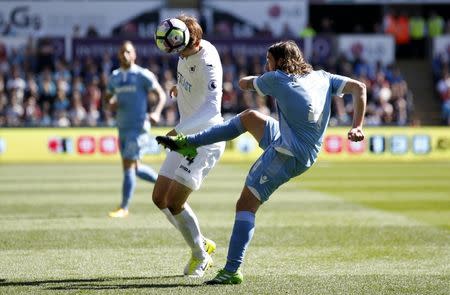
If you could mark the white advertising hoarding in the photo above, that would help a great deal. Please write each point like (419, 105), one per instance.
(274, 14)
(57, 18)
(372, 48)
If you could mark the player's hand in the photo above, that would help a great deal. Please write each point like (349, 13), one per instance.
(173, 92)
(355, 134)
(154, 117)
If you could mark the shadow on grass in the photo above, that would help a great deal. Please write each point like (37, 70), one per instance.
(101, 283)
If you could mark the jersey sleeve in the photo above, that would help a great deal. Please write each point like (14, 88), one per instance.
(264, 83)
(210, 108)
(149, 80)
(337, 83)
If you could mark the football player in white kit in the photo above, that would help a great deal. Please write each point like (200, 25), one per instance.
(199, 96)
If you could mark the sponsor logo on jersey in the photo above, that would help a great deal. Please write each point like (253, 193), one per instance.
(126, 88)
(183, 82)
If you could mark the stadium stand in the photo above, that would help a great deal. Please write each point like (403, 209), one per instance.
(41, 89)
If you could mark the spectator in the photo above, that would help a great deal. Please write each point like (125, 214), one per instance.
(60, 119)
(307, 32)
(435, 24)
(417, 27)
(61, 103)
(77, 113)
(32, 111)
(47, 88)
(17, 83)
(443, 89)
(14, 110)
(92, 32)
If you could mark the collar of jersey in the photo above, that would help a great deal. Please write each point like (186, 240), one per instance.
(131, 69)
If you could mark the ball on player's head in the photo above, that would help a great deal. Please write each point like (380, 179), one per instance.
(172, 35)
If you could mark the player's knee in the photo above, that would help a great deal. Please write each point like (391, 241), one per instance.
(159, 200)
(248, 116)
(174, 208)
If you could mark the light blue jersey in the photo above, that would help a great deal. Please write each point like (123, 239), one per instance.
(131, 88)
(304, 106)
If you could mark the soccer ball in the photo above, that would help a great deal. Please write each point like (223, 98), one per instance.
(171, 35)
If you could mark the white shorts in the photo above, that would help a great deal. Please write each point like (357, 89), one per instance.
(191, 174)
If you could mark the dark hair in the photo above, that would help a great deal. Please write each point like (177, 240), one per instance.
(195, 30)
(289, 58)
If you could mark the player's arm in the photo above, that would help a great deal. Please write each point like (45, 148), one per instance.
(246, 83)
(110, 101)
(358, 91)
(155, 115)
(261, 84)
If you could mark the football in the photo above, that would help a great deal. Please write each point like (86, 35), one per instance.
(171, 35)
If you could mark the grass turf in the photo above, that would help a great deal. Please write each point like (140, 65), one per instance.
(348, 228)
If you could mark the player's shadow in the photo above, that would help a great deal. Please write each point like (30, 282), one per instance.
(102, 283)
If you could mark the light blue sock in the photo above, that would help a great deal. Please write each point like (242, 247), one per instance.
(128, 185)
(221, 132)
(146, 173)
(244, 227)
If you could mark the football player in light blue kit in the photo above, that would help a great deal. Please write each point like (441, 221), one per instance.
(128, 92)
(291, 145)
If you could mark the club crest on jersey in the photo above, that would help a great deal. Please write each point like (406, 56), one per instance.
(192, 69)
(212, 85)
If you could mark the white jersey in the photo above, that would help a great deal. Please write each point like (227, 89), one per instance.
(199, 85)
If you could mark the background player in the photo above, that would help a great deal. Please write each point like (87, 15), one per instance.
(291, 145)
(199, 95)
(128, 92)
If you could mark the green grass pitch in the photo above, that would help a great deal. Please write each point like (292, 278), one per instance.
(361, 228)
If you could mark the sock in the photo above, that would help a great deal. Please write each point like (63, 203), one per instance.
(227, 130)
(170, 217)
(128, 185)
(146, 173)
(243, 229)
(189, 210)
(190, 229)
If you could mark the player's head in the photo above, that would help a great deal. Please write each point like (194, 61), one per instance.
(127, 54)
(195, 33)
(287, 57)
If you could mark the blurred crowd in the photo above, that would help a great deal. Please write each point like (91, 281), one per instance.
(441, 78)
(38, 90)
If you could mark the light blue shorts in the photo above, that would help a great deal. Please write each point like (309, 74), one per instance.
(272, 168)
(134, 144)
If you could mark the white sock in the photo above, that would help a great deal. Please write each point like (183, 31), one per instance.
(190, 229)
(170, 217)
